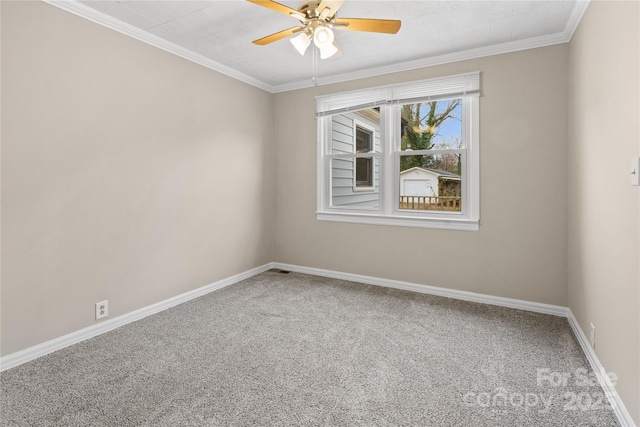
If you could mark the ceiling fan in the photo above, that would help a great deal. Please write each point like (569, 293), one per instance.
(317, 19)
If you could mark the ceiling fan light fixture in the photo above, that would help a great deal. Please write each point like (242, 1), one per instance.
(301, 42)
(323, 37)
(329, 51)
(317, 19)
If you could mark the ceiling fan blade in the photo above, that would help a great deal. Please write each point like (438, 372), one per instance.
(277, 36)
(277, 7)
(332, 5)
(389, 26)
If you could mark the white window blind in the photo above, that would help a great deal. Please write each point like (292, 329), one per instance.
(351, 101)
(425, 90)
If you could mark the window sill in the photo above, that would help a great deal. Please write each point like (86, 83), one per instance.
(460, 224)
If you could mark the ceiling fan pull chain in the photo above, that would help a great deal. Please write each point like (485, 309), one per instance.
(314, 61)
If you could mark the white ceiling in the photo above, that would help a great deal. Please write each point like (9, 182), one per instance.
(218, 34)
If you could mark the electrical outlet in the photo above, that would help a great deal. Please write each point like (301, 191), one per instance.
(102, 309)
(593, 336)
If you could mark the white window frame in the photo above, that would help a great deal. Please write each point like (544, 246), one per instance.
(358, 124)
(389, 99)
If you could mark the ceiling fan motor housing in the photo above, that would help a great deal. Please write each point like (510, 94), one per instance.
(310, 9)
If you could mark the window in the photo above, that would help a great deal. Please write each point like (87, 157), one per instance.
(401, 155)
(363, 165)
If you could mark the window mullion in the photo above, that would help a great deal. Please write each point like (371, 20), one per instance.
(323, 164)
(431, 152)
(372, 154)
(389, 122)
(472, 133)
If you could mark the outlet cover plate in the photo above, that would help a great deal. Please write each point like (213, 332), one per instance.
(102, 309)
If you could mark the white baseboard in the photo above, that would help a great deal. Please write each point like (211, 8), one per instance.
(624, 417)
(537, 307)
(39, 350)
(28, 354)
(612, 395)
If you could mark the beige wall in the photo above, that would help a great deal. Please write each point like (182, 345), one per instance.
(128, 174)
(521, 248)
(604, 209)
(121, 166)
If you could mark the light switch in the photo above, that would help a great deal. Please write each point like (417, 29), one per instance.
(635, 171)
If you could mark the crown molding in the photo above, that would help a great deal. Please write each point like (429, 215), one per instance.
(575, 18)
(475, 53)
(107, 21)
(508, 47)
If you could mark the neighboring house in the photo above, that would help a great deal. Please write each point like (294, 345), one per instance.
(355, 180)
(419, 181)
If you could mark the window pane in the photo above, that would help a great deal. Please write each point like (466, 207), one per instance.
(345, 191)
(364, 172)
(431, 183)
(356, 132)
(431, 125)
(364, 166)
(363, 140)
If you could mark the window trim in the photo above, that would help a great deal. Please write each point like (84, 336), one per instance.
(464, 86)
(372, 132)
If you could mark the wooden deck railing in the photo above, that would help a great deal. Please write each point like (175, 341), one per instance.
(430, 203)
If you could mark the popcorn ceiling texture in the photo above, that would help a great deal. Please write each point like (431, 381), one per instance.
(295, 349)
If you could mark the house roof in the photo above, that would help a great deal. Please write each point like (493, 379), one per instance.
(438, 172)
